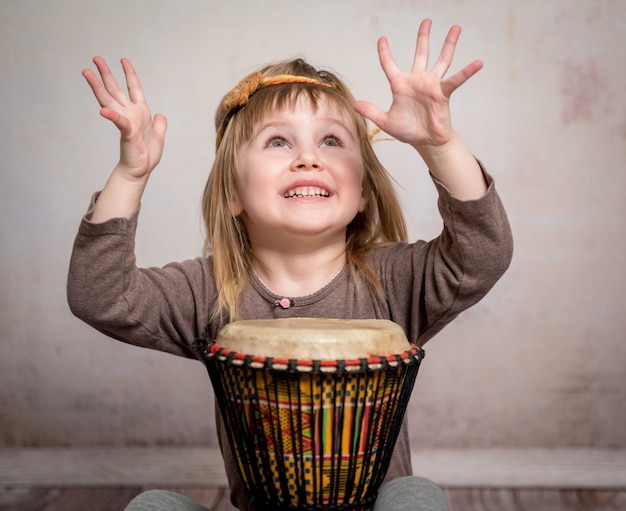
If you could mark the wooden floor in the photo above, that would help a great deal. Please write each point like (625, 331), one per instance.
(485, 480)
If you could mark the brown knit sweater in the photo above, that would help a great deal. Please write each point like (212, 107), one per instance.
(427, 285)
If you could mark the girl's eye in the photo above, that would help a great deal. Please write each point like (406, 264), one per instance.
(276, 141)
(332, 141)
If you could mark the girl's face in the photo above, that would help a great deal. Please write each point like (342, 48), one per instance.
(300, 173)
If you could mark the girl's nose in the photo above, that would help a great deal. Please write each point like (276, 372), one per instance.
(307, 159)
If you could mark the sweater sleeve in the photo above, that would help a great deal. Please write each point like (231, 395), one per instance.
(429, 283)
(159, 308)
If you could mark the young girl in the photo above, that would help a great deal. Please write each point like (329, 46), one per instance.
(302, 221)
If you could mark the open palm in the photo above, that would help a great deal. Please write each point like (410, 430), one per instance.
(141, 136)
(419, 113)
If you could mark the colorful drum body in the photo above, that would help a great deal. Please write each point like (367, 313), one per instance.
(312, 407)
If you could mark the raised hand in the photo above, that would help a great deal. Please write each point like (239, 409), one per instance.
(141, 136)
(419, 113)
(141, 140)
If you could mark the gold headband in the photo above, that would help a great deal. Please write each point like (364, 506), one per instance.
(245, 89)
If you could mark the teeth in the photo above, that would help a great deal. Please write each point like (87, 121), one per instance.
(306, 191)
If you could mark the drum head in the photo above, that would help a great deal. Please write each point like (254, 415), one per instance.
(315, 339)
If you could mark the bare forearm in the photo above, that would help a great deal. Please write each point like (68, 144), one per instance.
(120, 197)
(454, 165)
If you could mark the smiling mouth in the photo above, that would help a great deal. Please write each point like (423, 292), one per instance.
(306, 191)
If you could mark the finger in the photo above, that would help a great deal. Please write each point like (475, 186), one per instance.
(160, 124)
(121, 122)
(103, 97)
(387, 62)
(447, 52)
(109, 81)
(371, 112)
(422, 48)
(455, 81)
(135, 90)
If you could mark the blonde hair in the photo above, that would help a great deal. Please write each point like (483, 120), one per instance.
(381, 222)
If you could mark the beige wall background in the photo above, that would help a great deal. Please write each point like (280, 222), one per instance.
(539, 362)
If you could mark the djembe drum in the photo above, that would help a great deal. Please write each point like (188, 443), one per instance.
(312, 407)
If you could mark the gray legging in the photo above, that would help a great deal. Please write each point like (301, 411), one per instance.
(402, 494)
